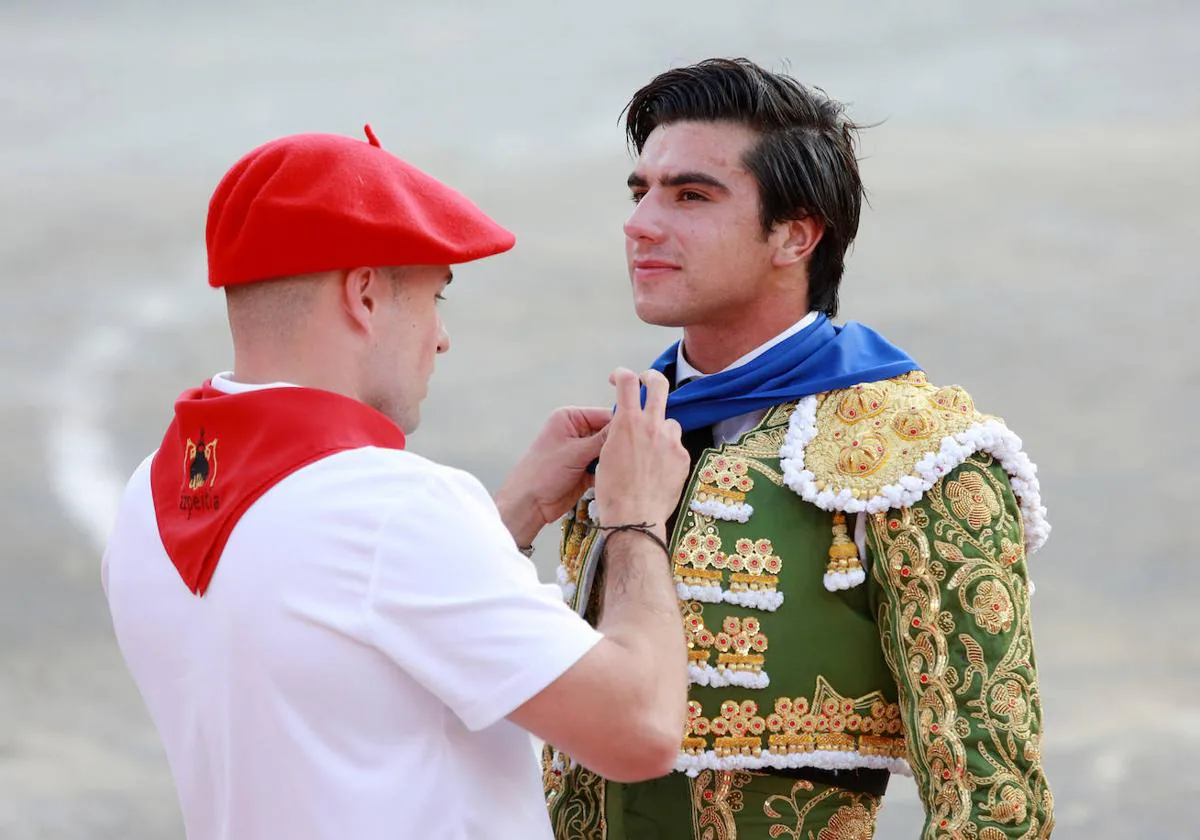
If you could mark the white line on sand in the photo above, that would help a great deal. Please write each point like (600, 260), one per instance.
(83, 475)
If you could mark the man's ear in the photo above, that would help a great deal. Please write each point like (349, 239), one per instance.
(797, 238)
(361, 290)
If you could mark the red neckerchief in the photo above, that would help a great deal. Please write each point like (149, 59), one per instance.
(223, 451)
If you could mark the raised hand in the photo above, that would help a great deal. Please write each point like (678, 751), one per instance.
(643, 463)
(553, 474)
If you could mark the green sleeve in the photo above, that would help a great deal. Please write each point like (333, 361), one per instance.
(951, 588)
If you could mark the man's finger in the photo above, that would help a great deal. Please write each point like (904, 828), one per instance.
(674, 429)
(628, 392)
(656, 393)
(587, 420)
(591, 445)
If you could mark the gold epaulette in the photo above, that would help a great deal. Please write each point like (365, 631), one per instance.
(881, 445)
(874, 435)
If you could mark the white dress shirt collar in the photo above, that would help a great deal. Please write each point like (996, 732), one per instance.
(684, 369)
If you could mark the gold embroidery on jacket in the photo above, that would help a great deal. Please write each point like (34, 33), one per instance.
(699, 638)
(699, 560)
(725, 477)
(716, 797)
(960, 592)
(934, 742)
(754, 567)
(972, 500)
(874, 434)
(738, 637)
(574, 798)
(740, 643)
(577, 535)
(854, 820)
(867, 725)
(738, 729)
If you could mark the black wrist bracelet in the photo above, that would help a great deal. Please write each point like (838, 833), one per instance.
(643, 528)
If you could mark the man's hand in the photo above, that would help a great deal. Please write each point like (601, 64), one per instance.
(553, 474)
(643, 464)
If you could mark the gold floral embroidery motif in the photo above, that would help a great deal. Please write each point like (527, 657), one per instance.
(872, 435)
(574, 798)
(972, 500)
(755, 566)
(1011, 808)
(738, 728)
(863, 401)
(699, 638)
(854, 820)
(863, 455)
(737, 731)
(695, 729)
(735, 642)
(1011, 553)
(948, 572)
(726, 478)
(798, 810)
(933, 739)
(851, 822)
(759, 448)
(992, 607)
(699, 560)
(716, 797)
(1008, 701)
(867, 725)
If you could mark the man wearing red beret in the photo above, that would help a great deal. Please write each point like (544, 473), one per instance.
(334, 637)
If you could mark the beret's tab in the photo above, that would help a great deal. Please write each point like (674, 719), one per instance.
(322, 202)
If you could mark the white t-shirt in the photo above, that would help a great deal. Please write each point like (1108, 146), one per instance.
(348, 673)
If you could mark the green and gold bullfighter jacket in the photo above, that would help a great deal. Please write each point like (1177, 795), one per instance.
(852, 583)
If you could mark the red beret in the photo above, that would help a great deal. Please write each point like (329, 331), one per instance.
(320, 202)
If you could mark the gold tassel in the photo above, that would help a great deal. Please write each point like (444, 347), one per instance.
(844, 570)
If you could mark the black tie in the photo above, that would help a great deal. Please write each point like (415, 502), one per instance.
(695, 442)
